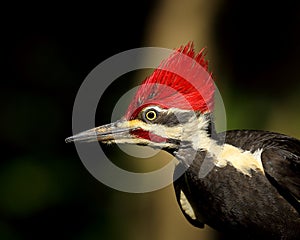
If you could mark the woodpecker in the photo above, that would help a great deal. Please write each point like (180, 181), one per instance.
(251, 186)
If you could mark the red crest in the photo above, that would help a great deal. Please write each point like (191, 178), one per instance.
(181, 81)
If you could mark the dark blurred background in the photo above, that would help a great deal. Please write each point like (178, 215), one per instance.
(48, 50)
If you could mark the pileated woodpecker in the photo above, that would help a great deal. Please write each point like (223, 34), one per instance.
(253, 187)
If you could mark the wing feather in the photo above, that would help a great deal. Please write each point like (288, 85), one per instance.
(280, 158)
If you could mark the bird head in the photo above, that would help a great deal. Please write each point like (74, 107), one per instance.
(171, 106)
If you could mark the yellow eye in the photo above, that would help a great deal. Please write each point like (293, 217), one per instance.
(151, 115)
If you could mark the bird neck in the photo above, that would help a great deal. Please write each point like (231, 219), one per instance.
(198, 135)
(200, 132)
(206, 149)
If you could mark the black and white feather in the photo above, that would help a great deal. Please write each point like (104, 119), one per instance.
(261, 205)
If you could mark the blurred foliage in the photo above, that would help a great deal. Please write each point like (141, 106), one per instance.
(45, 191)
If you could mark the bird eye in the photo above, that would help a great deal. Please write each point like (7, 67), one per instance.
(150, 115)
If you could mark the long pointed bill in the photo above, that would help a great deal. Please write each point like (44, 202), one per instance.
(119, 130)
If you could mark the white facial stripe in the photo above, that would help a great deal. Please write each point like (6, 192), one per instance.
(186, 206)
(195, 132)
(242, 161)
(188, 131)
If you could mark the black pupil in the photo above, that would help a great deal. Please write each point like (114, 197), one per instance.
(151, 115)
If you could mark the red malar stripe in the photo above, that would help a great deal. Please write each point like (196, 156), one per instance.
(140, 133)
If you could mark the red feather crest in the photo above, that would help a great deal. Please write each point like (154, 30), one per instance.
(181, 81)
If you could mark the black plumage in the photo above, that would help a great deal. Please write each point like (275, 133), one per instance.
(261, 206)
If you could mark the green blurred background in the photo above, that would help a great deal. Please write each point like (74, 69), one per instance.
(48, 50)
